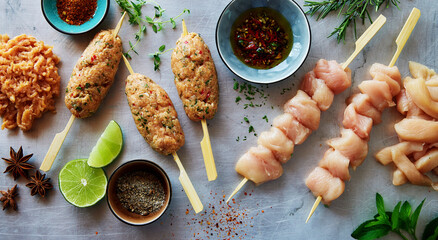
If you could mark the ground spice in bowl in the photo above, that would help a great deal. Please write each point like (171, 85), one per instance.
(141, 192)
(76, 12)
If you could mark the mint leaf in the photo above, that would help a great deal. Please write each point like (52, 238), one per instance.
(431, 230)
(380, 205)
(367, 233)
(415, 215)
(394, 216)
(405, 212)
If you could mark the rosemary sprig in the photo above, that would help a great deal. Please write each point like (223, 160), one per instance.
(354, 9)
(133, 9)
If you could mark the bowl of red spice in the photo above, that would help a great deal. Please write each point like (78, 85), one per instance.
(74, 16)
(139, 192)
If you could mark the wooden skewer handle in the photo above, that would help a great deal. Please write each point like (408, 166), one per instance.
(55, 146)
(365, 38)
(188, 186)
(119, 25)
(207, 153)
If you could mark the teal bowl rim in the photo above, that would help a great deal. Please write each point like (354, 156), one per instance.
(75, 33)
(275, 80)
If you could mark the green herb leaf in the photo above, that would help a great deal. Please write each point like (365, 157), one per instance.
(415, 215)
(394, 216)
(161, 48)
(364, 233)
(380, 205)
(431, 230)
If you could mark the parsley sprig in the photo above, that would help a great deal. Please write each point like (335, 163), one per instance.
(354, 9)
(133, 9)
(400, 221)
(156, 56)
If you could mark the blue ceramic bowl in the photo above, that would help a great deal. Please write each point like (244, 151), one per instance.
(300, 48)
(51, 14)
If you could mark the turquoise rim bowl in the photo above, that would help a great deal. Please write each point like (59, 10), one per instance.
(50, 12)
(300, 48)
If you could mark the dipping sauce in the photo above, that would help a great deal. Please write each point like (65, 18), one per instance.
(76, 12)
(261, 38)
(140, 192)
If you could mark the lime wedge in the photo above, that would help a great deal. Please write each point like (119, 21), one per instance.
(80, 184)
(107, 147)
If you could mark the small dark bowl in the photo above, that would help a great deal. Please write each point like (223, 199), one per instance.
(114, 203)
(50, 12)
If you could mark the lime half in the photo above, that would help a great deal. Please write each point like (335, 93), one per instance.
(80, 184)
(107, 147)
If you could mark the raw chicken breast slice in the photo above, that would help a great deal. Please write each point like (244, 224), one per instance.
(278, 143)
(318, 90)
(417, 130)
(333, 75)
(398, 177)
(259, 165)
(432, 86)
(360, 124)
(420, 71)
(351, 146)
(428, 162)
(407, 107)
(304, 109)
(379, 93)
(384, 156)
(336, 163)
(408, 168)
(322, 183)
(394, 85)
(391, 72)
(363, 106)
(293, 129)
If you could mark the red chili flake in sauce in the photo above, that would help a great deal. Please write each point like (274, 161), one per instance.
(76, 12)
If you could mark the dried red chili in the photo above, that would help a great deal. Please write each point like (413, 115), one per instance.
(76, 12)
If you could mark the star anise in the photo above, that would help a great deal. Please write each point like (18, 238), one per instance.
(8, 198)
(39, 184)
(18, 164)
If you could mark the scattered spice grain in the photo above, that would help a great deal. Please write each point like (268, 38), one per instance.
(141, 192)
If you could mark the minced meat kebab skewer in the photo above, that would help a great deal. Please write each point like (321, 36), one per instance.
(197, 85)
(157, 121)
(301, 117)
(89, 83)
(327, 180)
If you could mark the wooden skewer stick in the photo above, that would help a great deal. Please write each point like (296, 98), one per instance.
(360, 44)
(403, 36)
(59, 138)
(183, 177)
(207, 152)
(237, 188)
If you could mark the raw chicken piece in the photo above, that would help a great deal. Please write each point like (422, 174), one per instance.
(408, 168)
(379, 93)
(259, 165)
(417, 130)
(398, 177)
(407, 107)
(420, 95)
(351, 146)
(293, 129)
(333, 75)
(394, 85)
(428, 162)
(384, 156)
(432, 86)
(278, 143)
(336, 163)
(392, 72)
(304, 109)
(360, 124)
(318, 90)
(420, 71)
(322, 183)
(363, 106)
